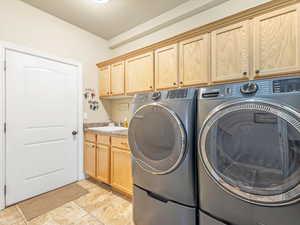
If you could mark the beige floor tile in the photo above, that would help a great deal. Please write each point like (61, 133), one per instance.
(93, 201)
(127, 213)
(116, 212)
(10, 216)
(87, 220)
(100, 189)
(43, 220)
(20, 223)
(87, 184)
(67, 214)
(120, 202)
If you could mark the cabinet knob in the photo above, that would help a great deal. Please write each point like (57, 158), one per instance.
(150, 87)
(245, 73)
(174, 83)
(257, 71)
(107, 93)
(181, 82)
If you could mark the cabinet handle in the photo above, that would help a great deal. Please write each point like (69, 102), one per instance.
(245, 73)
(257, 71)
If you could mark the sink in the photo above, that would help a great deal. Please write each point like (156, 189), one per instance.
(108, 129)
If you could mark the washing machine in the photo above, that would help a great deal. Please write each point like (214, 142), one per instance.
(249, 153)
(162, 139)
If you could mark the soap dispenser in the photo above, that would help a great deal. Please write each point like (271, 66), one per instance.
(126, 122)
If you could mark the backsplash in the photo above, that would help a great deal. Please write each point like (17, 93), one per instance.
(120, 109)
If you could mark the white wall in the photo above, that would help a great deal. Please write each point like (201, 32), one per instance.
(221, 11)
(26, 26)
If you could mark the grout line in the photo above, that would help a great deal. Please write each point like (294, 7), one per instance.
(91, 215)
(22, 214)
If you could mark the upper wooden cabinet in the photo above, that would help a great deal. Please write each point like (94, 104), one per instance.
(230, 53)
(194, 58)
(166, 67)
(104, 81)
(140, 73)
(117, 78)
(276, 42)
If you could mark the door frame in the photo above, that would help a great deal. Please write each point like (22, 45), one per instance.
(4, 46)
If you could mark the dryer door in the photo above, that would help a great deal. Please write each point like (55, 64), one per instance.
(252, 150)
(157, 139)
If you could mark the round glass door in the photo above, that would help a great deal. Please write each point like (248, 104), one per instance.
(252, 150)
(157, 139)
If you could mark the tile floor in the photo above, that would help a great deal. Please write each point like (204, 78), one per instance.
(101, 206)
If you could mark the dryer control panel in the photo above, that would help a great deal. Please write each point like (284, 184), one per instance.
(286, 86)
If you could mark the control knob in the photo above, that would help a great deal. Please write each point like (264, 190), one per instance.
(156, 95)
(249, 88)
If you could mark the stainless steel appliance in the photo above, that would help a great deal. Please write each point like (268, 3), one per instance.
(249, 153)
(162, 137)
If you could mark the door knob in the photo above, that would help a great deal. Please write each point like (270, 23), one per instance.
(74, 132)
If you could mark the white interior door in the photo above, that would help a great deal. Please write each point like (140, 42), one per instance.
(41, 113)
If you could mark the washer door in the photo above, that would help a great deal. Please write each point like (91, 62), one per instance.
(157, 139)
(252, 150)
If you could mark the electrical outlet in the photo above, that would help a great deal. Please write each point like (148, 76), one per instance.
(85, 116)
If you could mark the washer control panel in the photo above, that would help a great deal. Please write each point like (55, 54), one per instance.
(180, 93)
(286, 86)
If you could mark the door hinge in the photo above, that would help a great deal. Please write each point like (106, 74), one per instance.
(4, 128)
(5, 189)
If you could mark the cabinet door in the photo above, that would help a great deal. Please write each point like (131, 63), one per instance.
(230, 53)
(104, 81)
(90, 159)
(103, 163)
(194, 58)
(276, 42)
(166, 67)
(121, 175)
(117, 78)
(140, 73)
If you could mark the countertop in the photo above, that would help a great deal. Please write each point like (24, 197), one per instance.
(122, 133)
(87, 126)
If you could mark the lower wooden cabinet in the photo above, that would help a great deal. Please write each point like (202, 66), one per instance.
(103, 163)
(121, 177)
(90, 159)
(108, 160)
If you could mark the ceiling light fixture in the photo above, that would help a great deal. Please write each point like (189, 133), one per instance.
(101, 1)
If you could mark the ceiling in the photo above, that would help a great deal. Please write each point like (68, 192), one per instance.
(109, 19)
